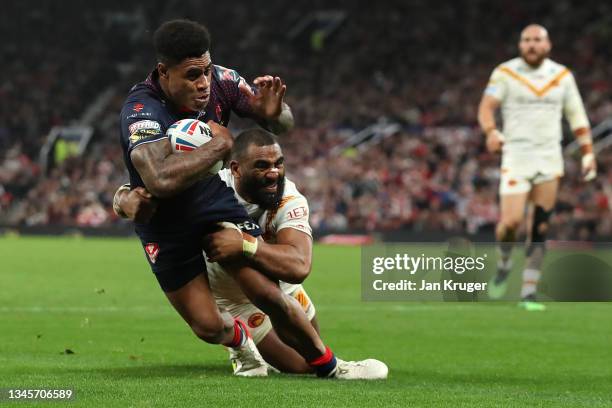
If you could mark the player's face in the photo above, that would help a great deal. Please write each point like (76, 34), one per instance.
(262, 175)
(188, 83)
(534, 45)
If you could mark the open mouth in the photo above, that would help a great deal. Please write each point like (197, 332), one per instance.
(271, 188)
(203, 98)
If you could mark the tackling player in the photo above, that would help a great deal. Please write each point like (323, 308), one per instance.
(257, 175)
(533, 92)
(191, 203)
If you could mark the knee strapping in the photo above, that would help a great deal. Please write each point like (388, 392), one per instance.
(539, 228)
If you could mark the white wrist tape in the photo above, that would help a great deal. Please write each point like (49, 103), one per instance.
(587, 160)
(249, 242)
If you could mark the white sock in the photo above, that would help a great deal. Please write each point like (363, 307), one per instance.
(531, 277)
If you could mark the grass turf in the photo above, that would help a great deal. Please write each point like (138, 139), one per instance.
(97, 298)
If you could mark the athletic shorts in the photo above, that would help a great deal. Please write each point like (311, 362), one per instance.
(258, 322)
(176, 257)
(520, 174)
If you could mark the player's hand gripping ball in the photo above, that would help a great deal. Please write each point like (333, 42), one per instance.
(188, 134)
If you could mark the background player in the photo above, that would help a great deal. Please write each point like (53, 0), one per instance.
(533, 93)
(257, 175)
(191, 202)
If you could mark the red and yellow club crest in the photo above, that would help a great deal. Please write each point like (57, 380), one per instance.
(256, 319)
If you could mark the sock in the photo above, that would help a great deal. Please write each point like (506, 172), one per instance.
(324, 366)
(536, 256)
(241, 334)
(530, 282)
(504, 251)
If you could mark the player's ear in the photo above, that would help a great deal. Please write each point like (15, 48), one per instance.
(162, 70)
(235, 168)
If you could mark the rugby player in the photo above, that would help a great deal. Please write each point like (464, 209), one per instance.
(192, 203)
(534, 93)
(257, 174)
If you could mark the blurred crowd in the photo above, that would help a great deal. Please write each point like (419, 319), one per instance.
(409, 63)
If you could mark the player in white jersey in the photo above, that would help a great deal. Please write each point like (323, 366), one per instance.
(274, 214)
(256, 174)
(534, 93)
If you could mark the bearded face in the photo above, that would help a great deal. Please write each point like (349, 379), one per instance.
(266, 193)
(260, 175)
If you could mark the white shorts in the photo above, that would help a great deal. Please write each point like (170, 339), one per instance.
(519, 175)
(258, 322)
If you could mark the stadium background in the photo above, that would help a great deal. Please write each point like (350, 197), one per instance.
(384, 96)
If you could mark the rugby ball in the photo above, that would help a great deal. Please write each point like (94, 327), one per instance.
(187, 134)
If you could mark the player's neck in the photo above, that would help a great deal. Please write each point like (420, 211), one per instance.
(533, 66)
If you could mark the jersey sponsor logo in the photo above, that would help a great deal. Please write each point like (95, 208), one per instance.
(152, 250)
(297, 213)
(144, 124)
(491, 90)
(256, 320)
(143, 134)
(141, 114)
(138, 107)
(247, 226)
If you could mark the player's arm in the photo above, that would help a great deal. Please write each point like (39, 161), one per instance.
(135, 204)
(289, 259)
(166, 174)
(575, 114)
(266, 103)
(490, 102)
(486, 119)
(283, 123)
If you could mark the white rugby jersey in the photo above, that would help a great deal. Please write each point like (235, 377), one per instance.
(533, 102)
(292, 212)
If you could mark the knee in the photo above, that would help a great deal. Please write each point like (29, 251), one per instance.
(541, 221)
(211, 330)
(510, 224)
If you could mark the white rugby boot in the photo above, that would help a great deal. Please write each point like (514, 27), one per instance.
(246, 360)
(369, 369)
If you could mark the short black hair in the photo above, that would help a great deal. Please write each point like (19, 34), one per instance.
(176, 40)
(255, 136)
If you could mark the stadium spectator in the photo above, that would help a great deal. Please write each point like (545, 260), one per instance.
(432, 174)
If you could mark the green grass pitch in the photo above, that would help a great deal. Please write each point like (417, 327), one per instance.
(98, 298)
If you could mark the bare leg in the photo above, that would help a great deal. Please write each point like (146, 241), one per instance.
(283, 357)
(196, 305)
(543, 196)
(287, 316)
(512, 209)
